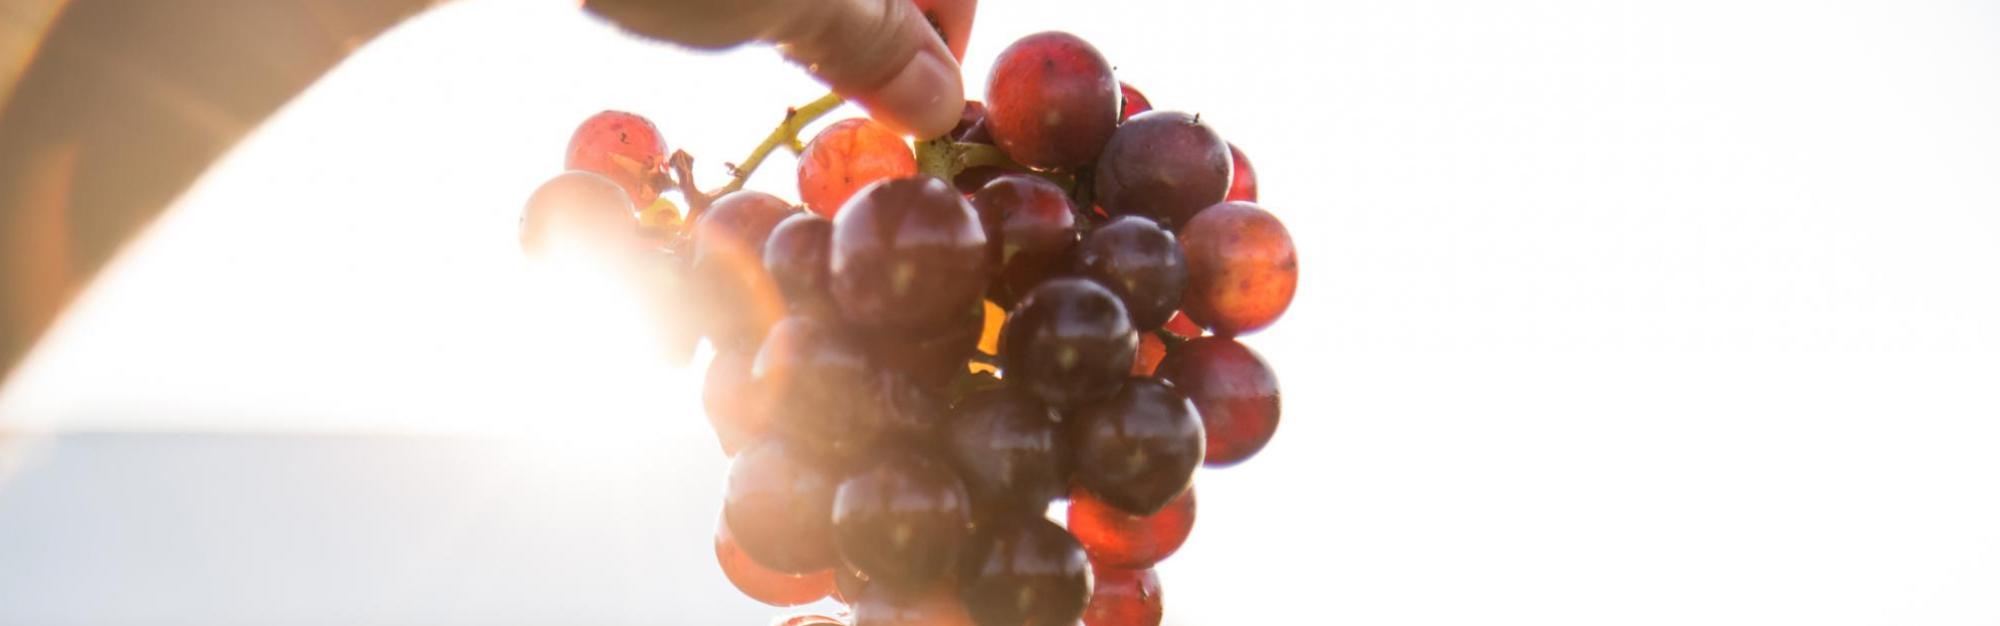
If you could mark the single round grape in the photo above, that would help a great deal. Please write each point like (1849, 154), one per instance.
(624, 147)
(902, 520)
(1010, 450)
(796, 257)
(1233, 390)
(1134, 102)
(736, 409)
(1139, 261)
(817, 380)
(1030, 229)
(779, 507)
(1024, 571)
(1051, 102)
(908, 256)
(849, 155)
(1124, 597)
(1068, 342)
(1151, 352)
(740, 299)
(931, 359)
(1115, 538)
(1242, 178)
(1242, 268)
(763, 584)
(880, 605)
(1166, 165)
(577, 213)
(1137, 450)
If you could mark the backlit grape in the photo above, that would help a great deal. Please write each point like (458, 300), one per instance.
(1051, 102)
(578, 214)
(1242, 178)
(762, 583)
(1115, 538)
(1124, 597)
(1233, 390)
(1242, 269)
(779, 507)
(623, 147)
(1134, 102)
(847, 156)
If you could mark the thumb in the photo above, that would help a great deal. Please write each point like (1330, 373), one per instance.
(882, 54)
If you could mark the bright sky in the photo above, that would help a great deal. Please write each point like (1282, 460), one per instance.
(1612, 312)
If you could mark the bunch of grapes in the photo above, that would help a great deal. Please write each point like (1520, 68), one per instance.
(969, 383)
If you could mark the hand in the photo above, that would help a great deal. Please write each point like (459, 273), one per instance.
(883, 54)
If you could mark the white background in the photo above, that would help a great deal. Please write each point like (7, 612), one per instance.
(1611, 313)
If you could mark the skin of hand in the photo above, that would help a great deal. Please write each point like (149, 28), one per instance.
(897, 58)
(121, 105)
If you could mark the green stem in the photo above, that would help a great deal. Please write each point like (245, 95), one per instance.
(786, 135)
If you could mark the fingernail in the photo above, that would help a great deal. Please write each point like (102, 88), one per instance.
(924, 99)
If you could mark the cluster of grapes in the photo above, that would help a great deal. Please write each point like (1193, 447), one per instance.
(1038, 308)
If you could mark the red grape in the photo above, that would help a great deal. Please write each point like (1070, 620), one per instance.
(1030, 228)
(1242, 268)
(847, 156)
(1024, 572)
(1233, 390)
(1118, 539)
(796, 257)
(779, 507)
(761, 583)
(1010, 451)
(623, 147)
(908, 255)
(1051, 102)
(1124, 597)
(1164, 164)
(1141, 262)
(1242, 178)
(738, 412)
(1135, 102)
(1137, 450)
(972, 124)
(902, 520)
(1068, 342)
(577, 212)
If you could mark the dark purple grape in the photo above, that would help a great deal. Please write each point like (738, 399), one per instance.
(908, 255)
(1010, 451)
(902, 520)
(878, 605)
(1138, 449)
(1030, 228)
(779, 507)
(817, 380)
(1140, 262)
(971, 126)
(1070, 341)
(1051, 102)
(796, 257)
(1025, 572)
(1164, 164)
(903, 409)
(1233, 390)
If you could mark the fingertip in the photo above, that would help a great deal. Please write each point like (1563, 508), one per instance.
(924, 99)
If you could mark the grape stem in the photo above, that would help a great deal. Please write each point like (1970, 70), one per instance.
(786, 135)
